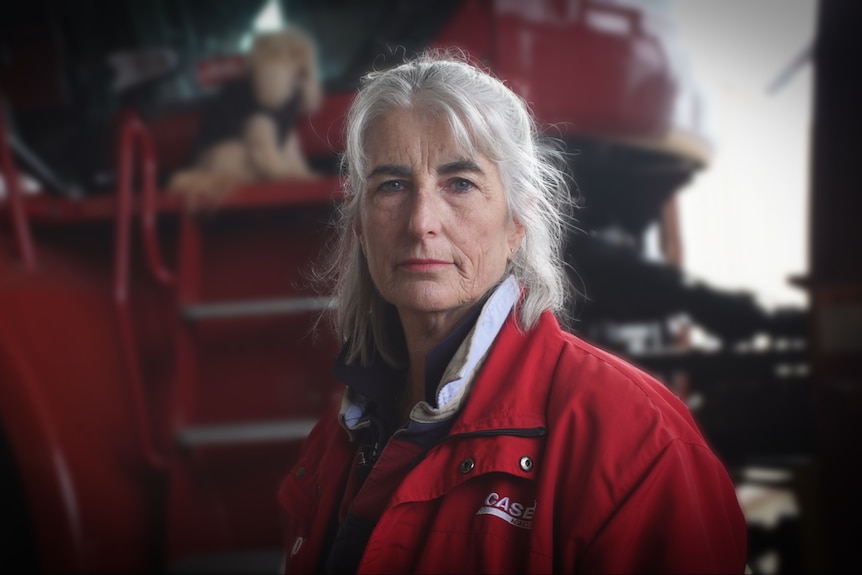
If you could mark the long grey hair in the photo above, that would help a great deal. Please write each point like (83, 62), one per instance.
(485, 116)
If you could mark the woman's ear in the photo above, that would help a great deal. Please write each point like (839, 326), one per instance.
(357, 232)
(516, 235)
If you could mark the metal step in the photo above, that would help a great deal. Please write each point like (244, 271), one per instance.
(253, 562)
(250, 308)
(239, 433)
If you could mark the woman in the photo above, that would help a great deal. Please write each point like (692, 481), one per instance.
(475, 435)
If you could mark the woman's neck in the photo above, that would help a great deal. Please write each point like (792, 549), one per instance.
(422, 332)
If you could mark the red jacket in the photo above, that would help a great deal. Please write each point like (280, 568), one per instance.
(564, 459)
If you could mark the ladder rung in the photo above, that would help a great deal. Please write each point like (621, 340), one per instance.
(248, 308)
(258, 432)
(261, 561)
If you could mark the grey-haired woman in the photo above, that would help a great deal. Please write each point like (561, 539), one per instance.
(474, 434)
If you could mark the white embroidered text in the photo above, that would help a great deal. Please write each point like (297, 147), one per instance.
(512, 512)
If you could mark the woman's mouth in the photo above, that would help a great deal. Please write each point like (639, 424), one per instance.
(422, 264)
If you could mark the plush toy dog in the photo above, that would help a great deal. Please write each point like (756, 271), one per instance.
(246, 133)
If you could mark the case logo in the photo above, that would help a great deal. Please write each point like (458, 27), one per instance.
(510, 511)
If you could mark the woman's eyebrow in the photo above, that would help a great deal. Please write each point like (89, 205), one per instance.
(460, 165)
(391, 170)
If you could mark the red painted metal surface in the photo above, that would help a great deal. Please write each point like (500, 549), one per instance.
(590, 68)
(323, 133)
(66, 413)
(548, 51)
(216, 70)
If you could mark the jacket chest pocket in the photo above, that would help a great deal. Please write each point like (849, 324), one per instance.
(469, 507)
(495, 481)
(488, 524)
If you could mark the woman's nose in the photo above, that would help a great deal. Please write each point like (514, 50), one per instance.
(424, 219)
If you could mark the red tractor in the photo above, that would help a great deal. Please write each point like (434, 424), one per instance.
(159, 367)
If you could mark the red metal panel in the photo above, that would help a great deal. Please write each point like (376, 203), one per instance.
(93, 502)
(595, 67)
(322, 134)
(471, 29)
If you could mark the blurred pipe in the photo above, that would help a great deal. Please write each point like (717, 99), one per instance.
(20, 225)
(803, 58)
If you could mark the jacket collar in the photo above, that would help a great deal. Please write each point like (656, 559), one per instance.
(461, 371)
(513, 388)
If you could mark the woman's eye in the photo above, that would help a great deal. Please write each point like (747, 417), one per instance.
(461, 185)
(391, 186)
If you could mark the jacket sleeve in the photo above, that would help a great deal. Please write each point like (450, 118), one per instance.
(680, 516)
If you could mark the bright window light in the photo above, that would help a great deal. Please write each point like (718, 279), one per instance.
(269, 19)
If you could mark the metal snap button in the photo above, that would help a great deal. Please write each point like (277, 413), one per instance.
(526, 463)
(467, 465)
(296, 545)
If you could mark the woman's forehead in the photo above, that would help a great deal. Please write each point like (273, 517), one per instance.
(397, 129)
(403, 132)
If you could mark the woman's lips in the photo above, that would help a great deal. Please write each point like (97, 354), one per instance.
(422, 264)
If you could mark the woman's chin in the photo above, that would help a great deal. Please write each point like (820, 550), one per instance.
(427, 297)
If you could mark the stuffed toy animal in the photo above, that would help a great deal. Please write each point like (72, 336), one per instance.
(247, 131)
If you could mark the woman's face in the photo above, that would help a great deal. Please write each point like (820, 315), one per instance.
(434, 224)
